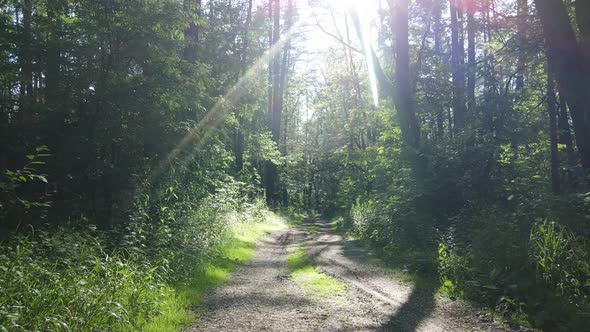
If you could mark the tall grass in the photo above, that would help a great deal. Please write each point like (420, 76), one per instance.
(76, 280)
(65, 281)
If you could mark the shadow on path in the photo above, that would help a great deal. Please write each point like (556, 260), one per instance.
(418, 307)
(412, 313)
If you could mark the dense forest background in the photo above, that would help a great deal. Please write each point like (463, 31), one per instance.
(450, 136)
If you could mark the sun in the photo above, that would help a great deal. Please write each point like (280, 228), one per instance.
(366, 7)
(330, 22)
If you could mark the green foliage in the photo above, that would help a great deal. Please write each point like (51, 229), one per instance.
(76, 278)
(13, 205)
(562, 261)
(64, 280)
(452, 267)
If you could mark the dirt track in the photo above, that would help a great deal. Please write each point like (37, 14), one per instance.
(260, 296)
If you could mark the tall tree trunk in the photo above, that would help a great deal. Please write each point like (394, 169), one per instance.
(53, 54)
(271, 168)
(438, 27)
(284, 69)
(552, 112)
(26, 63)
(471, 65)
(565, 135)
(457, 61)
(582, 8)
(191, 34)
(565, 56)
(276, 76)
(239, 135)
(284, 79)
(403, 92)
(522, 26)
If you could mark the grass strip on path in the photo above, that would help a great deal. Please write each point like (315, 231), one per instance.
(315, 283)
(178, 311)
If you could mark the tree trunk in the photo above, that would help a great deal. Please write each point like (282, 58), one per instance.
(191, 34)
(276, 75)
(457, 60)
(471, 65)
(552, 112)
(521, 25)
(564, 55)
(239, 135)
(271, 168)
(284, 75)
(582, 8)
(565, 135)
(53, 54)
(438, 27)
(26, 62)
(403, 92)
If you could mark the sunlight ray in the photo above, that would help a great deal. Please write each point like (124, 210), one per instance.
(217, 113)
(363, 25)
(366, 40)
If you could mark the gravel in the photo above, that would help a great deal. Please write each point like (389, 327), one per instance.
(260, 295)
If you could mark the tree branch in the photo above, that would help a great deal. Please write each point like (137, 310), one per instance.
(340, 40)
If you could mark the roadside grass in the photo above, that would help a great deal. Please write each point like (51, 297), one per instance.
(315, 283)
(179, 309)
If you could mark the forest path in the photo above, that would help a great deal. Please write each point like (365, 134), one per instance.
(262, 295)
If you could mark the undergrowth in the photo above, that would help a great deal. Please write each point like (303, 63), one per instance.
(529, 269)
(75, 279)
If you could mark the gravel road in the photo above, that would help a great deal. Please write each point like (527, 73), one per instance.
(261, 296)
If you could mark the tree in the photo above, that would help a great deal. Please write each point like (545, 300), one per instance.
(276, 108)
(403, 94)
(471, 64)
(239, 135)
(457, 64)
(565, 55)
(552, 113)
